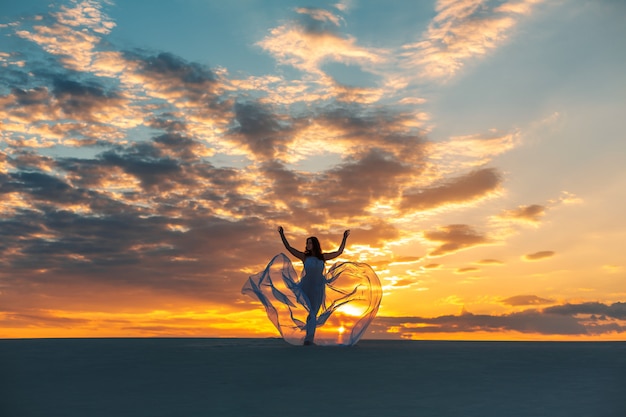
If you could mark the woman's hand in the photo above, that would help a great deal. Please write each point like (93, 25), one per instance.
(281, 230)
(346, 234)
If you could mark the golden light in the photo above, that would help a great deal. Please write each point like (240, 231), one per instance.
(351, 310)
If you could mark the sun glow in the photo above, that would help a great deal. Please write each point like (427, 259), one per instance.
(351, 310)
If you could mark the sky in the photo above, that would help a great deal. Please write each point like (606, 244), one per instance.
(475, 149)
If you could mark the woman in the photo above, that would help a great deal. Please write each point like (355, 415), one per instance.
(313, 283)
(332, 307)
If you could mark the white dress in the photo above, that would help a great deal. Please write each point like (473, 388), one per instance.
(313, 285)
(329, 308)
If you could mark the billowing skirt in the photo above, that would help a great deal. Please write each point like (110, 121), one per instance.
(350, 298)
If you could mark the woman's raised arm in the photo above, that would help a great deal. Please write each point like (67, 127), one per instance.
(294, 252)
(339, 251)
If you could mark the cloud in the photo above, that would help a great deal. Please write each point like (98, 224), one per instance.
(354, 185)
(616, 310)
(454, 238)
(527, 322)
(184, 79)
(88, 103)
(467, 269)
(539, 255)
(525, 300)
(43, 320)
(260, 130)
(72, 33)
(87, 14)
(311, 40)
(473, 151)
(462, 31)
(317, 20)
(556, 320)
(531, 214)
(490, 262)
(464, 189)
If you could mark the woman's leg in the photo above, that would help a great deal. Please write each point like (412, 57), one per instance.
(311, 320)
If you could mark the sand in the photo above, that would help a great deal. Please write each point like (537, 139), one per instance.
(267, 377)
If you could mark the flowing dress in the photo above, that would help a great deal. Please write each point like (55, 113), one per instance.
(334, 306)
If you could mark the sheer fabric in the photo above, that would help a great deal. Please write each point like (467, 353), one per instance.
(348, 296)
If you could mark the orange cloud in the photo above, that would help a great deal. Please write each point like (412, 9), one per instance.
(525, 300)
(570, 320)
(472, 151)
(454, 238)
(463, 30)
(539, 255)
(473, 186)
(75, 34)
(466, 270)
(490, 262)
(532, 213)
(308, 43)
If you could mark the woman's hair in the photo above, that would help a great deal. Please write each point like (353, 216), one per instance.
(317, 249)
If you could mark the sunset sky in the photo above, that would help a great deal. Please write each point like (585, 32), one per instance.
(476, 149)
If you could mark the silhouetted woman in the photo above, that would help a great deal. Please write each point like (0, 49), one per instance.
(339, 302)
(313, 282)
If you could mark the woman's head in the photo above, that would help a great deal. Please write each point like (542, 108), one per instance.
(313, 248)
